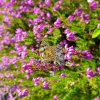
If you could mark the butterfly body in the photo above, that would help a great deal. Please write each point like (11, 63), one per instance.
(52, 54)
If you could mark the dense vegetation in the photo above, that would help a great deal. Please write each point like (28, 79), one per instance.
(49, 50)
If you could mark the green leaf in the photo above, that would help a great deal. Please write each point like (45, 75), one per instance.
(33, 54)
(96, 33)
(28, 41)
(33, 16)
(30, 33)
(54, 38)
(56, 34)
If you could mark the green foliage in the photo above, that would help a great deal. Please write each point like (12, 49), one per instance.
(30, 39)
(54, 38)
(1, 17)
(96, 33)
(75, 86)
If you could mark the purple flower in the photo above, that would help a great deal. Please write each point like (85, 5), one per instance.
(25, 92)
(71, 18)
(47, 3)
(27, 76)
(87, 55)
(10, 75)
(57, 23)
(13, 60)
(29, 2)
(66, 47)
(89, 73)
(60, 2)
(14, 88)
(85, 18)
(37, 81)
(23, 54)
(5, 60)
(36, 10)
(10, 97)
(20, 35)
(31, 61)
(29, 71)
(49, 30)
(45, 85)
(66, 31)
(98, 70)
(48, 16)
(22, 93)
(61, 43)
(26, 66)
(30, 22)
(12, 2)
(1, 28)
(70, 36)
(78, 12)
(55, 98)
(38, 29)
(6, 40)
(67, 56)
(56, 8)
(2, 67)
(93, 5)
(64, 42)
(37, 20)
(98, 17)
(97, 99)
(63, 75)
(71, 50)
(6, 20)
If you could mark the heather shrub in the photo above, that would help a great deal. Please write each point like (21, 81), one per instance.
(49, 49)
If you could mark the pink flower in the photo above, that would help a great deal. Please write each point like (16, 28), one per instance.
(57, 23)
(29, 71)
(78, 12)
(85, 18)
(63, 75)
(89, 73)
(71, 18)
(45, 85)
(55, 98)
(37, 81)
(6, 20)
(36, 10)
(48, 16)
(6, 60)
(87, 55)
(47, 3)
(22, 93)
(70, 36)
(93, 5)
(97, 99)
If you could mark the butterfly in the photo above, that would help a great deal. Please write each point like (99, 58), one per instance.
(51, 53)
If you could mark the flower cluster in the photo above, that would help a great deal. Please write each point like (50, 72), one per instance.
(35, 65)
(21, 50)
(91, 74)
(93, 5)
(40, 81)
(87, 55)
(23, 20)
(69, 52)
(22, 93)
(70, 36)
(19, 36)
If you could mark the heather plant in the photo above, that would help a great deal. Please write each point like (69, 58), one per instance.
(49, 49)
